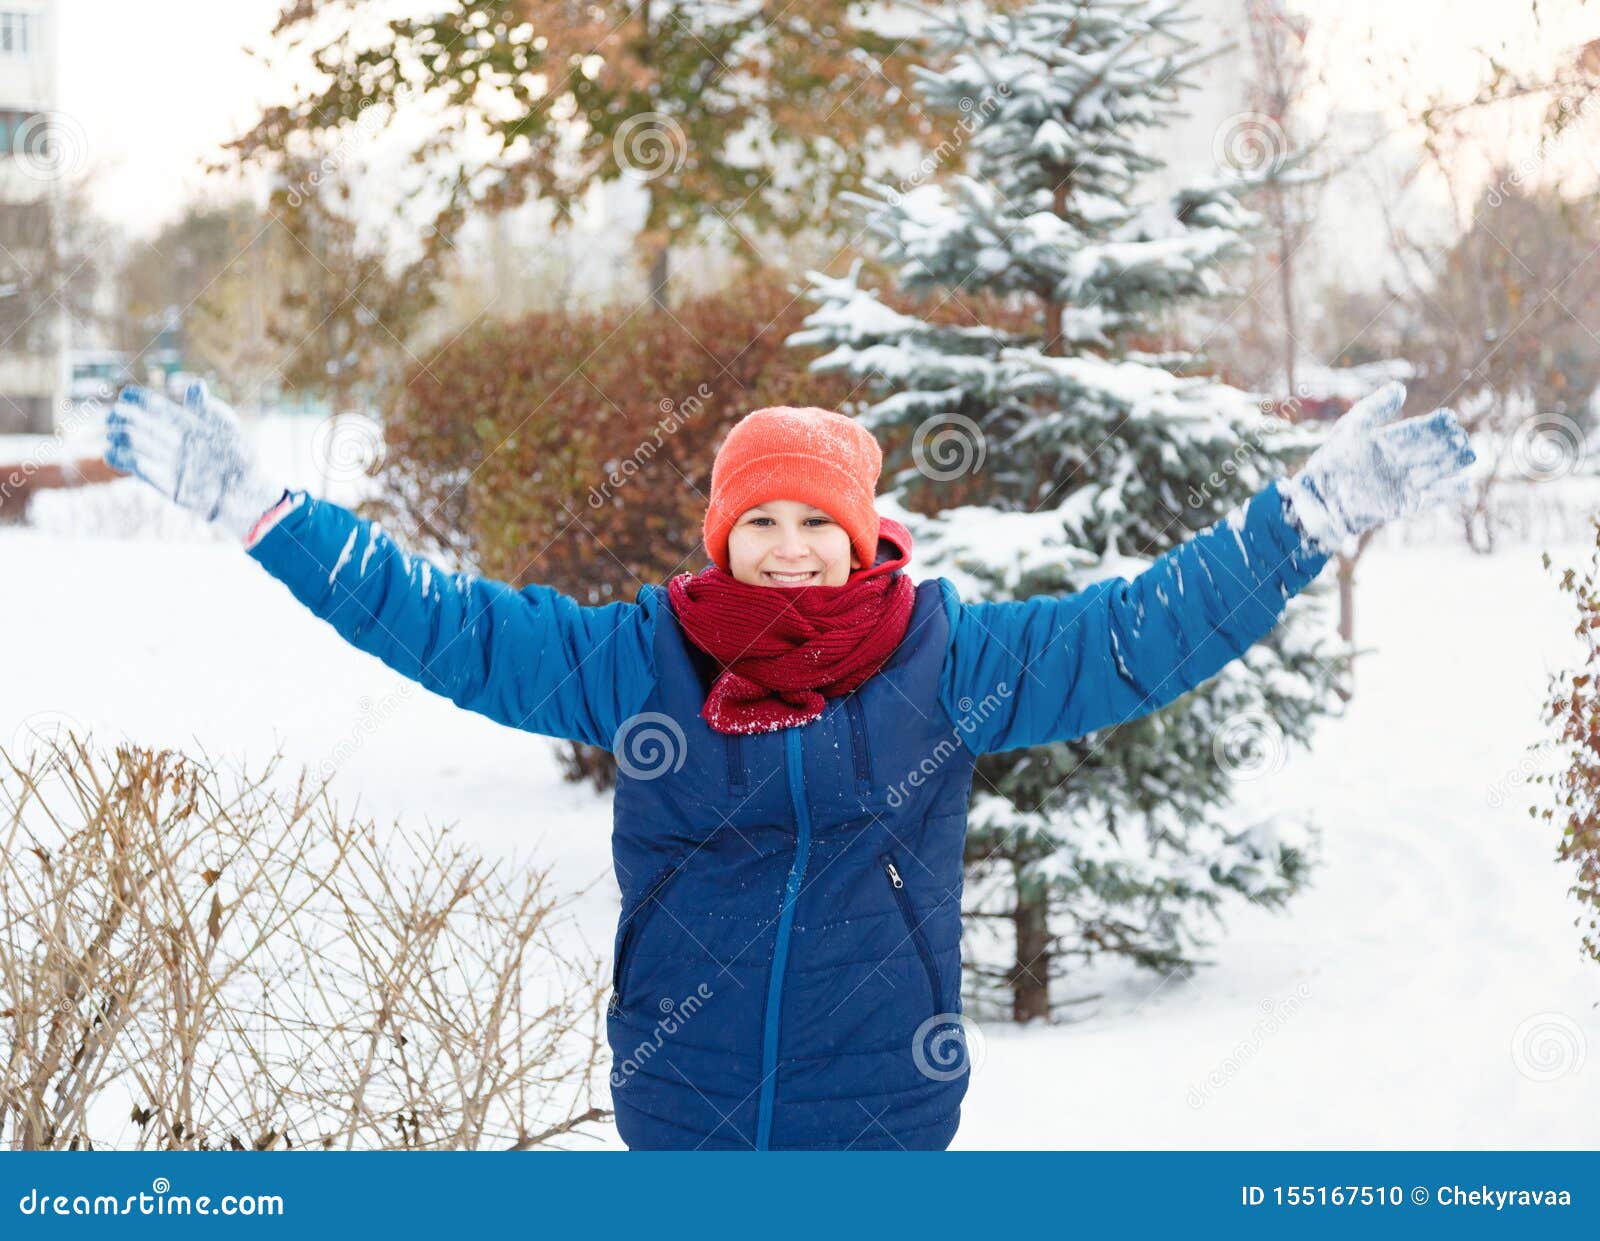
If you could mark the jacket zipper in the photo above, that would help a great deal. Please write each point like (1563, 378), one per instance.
(912, 928)
(858, 743)
(780, 951)
(636, 922)
(735, 748)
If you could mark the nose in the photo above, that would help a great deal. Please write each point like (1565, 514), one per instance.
(792, 547)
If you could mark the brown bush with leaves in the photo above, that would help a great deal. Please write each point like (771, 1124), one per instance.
(575, 451)
(200, 963)
(1574, 708)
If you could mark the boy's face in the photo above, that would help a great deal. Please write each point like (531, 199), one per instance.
(791, 538)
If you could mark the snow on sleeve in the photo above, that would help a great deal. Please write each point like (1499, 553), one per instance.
(374, 533)
(344, 556)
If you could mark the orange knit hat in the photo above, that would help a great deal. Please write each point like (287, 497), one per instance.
(790, 452)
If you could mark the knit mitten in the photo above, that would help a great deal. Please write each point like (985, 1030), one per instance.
(194, 454)
(1371, 469)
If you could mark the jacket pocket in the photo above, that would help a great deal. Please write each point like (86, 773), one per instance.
(897, 884)
(858, 743)
(634, 926)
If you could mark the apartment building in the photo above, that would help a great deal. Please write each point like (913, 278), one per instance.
(33, 368)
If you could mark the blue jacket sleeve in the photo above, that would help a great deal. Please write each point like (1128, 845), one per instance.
(533, 658)
(1051, 668)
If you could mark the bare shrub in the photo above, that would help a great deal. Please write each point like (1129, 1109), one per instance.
(189, 961)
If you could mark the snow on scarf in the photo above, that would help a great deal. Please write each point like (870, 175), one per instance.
(783, 650)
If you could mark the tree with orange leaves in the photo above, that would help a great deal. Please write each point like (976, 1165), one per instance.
(740, 118)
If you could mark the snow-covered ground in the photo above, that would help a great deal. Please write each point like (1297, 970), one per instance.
(1427, 991)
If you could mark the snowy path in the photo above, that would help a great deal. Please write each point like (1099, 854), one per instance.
(1383, 1009)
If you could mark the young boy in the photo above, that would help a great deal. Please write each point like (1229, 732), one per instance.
(796, 728)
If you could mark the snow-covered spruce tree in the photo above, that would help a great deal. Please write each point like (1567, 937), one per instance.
(1079, 447)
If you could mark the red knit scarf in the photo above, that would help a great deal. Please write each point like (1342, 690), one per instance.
(784, 650)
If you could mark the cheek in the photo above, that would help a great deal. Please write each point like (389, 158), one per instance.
(838, 554)
(744, 552)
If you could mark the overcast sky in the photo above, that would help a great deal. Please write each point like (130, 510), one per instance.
(158, 85)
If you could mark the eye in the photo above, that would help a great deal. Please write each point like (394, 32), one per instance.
(823, 520)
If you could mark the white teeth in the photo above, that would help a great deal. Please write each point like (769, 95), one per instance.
(790, 577)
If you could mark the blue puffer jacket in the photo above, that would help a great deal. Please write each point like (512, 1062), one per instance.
(788, 963)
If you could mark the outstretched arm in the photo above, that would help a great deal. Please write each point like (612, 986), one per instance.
(1033, 671)
(1052, 668)
(533, 659)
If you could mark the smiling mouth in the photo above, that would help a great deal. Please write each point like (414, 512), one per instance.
(789, 579)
